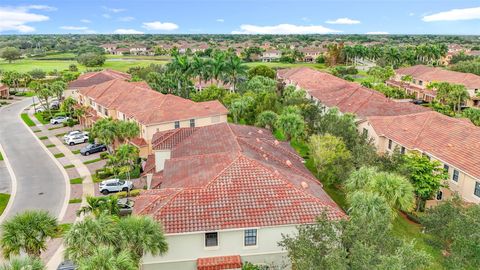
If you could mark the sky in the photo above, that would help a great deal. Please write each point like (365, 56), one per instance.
(455, 17)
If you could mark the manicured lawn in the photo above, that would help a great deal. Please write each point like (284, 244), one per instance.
(75, 181)
(1, 157)
(27, 120)
(25, 65)
(75, 200)
(59, 155)
(36, 131)
(60, 134)
(69, 166)
(40, 118)
(53, 128)
(92, 161)
(43, 138)
(75, 152)
(50, 145)
(95, 179)
(30, 94)
(3, 201)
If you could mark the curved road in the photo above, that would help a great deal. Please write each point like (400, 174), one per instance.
(40, 183)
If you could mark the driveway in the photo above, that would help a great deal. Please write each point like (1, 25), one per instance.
(40, 183)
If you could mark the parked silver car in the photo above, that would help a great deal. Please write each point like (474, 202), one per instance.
(59, 120)
(114, 185)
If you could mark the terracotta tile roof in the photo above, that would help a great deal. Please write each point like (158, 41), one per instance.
(93, 78)
(347, 96)
(139, 101)
(227, 176)
(219, 263)
(452, 140)
(426, 73)
(140, 142)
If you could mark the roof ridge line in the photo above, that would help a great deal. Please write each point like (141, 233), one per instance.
(239, 154)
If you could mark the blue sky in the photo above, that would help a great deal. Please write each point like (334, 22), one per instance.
(247, 16)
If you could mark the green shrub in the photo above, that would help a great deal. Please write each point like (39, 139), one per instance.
(104, 155)
(59, 155)
(75, 181)
(69, 166)
(123, 194)
(75, 200)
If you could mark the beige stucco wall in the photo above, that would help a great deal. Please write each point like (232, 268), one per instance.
(185, 249)
(465, 185)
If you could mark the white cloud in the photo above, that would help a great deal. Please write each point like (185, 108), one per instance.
(284, 29)
(220, 20)
(85, 21)
(114, 10)
(127, 31)
(106, 16)
(411, 14)
(17, 18)
(126, 19)
(377, 33)
(41, 7)
(75, 28)
(454, 15)
(343, 21)
(166, 26)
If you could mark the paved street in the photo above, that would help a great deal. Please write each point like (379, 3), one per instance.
(40, 183)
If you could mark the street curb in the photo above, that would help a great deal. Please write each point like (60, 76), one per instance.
(63, 211)
(13, 182)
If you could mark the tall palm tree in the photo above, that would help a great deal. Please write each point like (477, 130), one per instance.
(99, 206)
(105, 131)
(182, 67)
(218, 65)
(235, 70)
(142, 234)
(27, 232)
(126, 130)
(23, 263)
(85, 236)
(239, 107)
(107, 258)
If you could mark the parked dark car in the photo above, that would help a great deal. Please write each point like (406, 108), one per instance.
(66, 265)
(126, 206)
(93, 148)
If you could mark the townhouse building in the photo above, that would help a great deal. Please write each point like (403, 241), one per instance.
(225, 194)
(422, 76)
(152, 111)
(401, 125)
(93, 78)
(271, 55)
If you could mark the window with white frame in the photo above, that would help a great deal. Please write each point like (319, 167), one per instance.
(177, 124)
(250, 238)
(192, 122)
(390, 144)
(455, 175)
(211, 239)
(477, 189)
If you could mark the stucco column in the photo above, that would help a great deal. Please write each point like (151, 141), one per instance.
(149, 180)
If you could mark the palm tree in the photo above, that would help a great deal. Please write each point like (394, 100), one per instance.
(100, 205)
(87, 235)
(235, 70)
(123, 160)
(292, 124)
(239, 107)
(266, 119)
(27, 232)
(23, 263)
(218, 65)
(126, 130)
(107, 258)
(142, 234)
(182, 67)
(105, 131)
(57, 88)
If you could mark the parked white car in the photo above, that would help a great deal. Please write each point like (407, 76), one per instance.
(76, 139)
(114, 185)
(74, 133)
(59, 119)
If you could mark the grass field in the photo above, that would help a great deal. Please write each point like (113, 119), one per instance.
(25, 65)
(27, 120)
(116, 62)
(3, 201)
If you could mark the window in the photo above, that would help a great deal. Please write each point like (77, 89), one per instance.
(439, 195)
(455, 175)
(192, 122)
(211, 239)
(177, 124)
(402, 150)
(445, 167)
(477, 189)
(389, 144)
(420, 82)
(250, 237)
(365, 132)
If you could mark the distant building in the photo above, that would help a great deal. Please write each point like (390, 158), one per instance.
(93, 78)
(311, 54)
(423, 75)
(271, 56)
(141, 50)
(109, 48)
(4, 91)
(225, 194)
